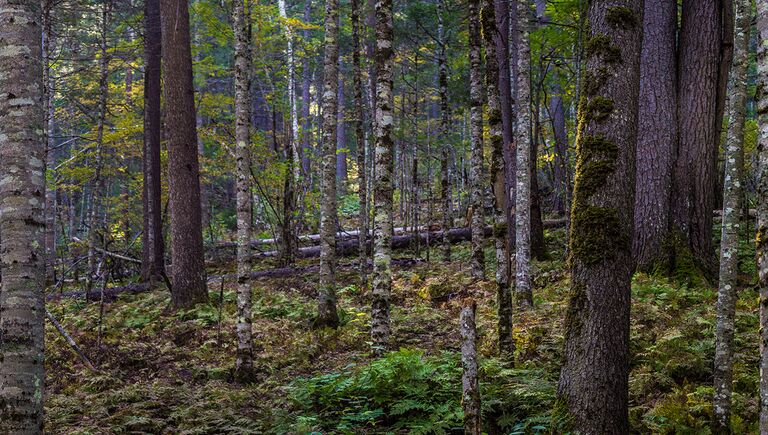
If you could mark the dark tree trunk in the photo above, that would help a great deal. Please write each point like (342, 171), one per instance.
(341, 140)
(557, 117)
(152, 265)
(657, 133)
(594, 383)
(189, 286)
(538, 245)
(699, 114)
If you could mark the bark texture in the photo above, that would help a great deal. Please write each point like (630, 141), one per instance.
(22, 218)
(595, 374)
(189, 286)
(699, 75)
(496, 137)
(382, 195)
(446, 195)
(523, 281)
(326, 309)
(761, 239)
(470, 385)
(476, 173)
(729, 241)
(153, 247)
(242, 30)
(362, 179)
(657, 133)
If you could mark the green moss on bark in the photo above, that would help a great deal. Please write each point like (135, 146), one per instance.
(601, 45)
(598, 109)
(597, 234)
(621, 17)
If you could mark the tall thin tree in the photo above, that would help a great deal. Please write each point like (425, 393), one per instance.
(382, 195)
(476, 172)
(189, 282)
(153, 246)
(446, 196)
(326, 311)
(762, 202)
(523, 280)
(729, 241)
(362, 179)
(594, 382)
(496, 137)
(242, 30)
(22, 219)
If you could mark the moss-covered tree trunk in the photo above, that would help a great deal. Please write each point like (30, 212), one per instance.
(22, 218)
(729, 241)
(326, 309)
(382, 195)
(595, 374)
(523, 291)
(657, 134)
(446, 196)
(242, 30)
(699, 74)
(153, 246)
(189, 283)
(762, 203)
(476, 172)
(496, 136)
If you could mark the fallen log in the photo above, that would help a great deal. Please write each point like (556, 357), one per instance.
(351, 247)
(110, 294)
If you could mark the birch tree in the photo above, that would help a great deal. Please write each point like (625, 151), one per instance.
(729, 242)
(326, 313)
(22, 219)
(242, 30)
(476, 176)
(382, 195)
(523, 291)
(594, 382)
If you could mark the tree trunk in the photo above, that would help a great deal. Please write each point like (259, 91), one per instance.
(657, 134)
(293, 174)
(476, 209)
(557, 117)
(97, 188)
(22, 221)
(761, 240)
(508, 116)
(242, 30)
(50, 142)
(470, 384)
(327, 315)
(595, 374)
(693, 197)
(153, 246)
(306, 80)
(362, 181)
(446, 196)
(189, 286)
(382, 195)
(341, 139)
(729, 241)
(496, 136)
(523, 280)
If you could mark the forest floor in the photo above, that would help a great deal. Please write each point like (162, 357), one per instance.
(171, 372)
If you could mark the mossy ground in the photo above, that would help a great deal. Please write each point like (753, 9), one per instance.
(166, 372)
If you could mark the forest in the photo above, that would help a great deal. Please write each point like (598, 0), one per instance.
(379, 216)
